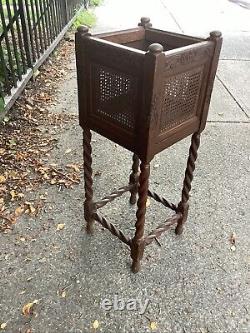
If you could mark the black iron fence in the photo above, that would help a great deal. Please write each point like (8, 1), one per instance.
(29, 31)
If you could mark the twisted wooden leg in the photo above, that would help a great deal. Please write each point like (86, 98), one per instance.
(137, 246)
(134, 178)
(88, 181)
(183, 205)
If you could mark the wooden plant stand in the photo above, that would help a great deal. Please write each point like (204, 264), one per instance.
(144, 89)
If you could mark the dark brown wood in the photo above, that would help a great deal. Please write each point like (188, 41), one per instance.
(145, 22)
(183, 205)
(116, 194)
(124, 36)
(174, 40)
(137, 246)
(144, 89)
(88, 181)
(216, 38)
(162, 228)
(134, 179)
(162, 200)
(116, 232)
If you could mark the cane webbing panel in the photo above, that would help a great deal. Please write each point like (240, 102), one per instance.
(181, 98)
(114, 96)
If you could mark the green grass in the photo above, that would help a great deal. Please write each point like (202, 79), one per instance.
(95, 3)
(85, 17)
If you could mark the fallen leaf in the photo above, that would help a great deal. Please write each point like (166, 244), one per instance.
(74, 167)
(60, 226)
(13, 194)
(63, 294)
(233, 248)
(53, 181)
(12, 142)
(3, 326)
(28, 308)
(36, 73)
(19, 210)
(2, 179)
(68, 151)
(32, 209)
(148, 202)
(95, 325)
(153, 326)
(233, 238)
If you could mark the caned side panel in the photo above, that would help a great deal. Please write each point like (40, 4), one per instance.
(114, 90)
(185, 80)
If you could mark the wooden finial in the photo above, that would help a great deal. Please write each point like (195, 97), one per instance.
(215, 34)
(145, 22)
(83, 30)
(155, 48)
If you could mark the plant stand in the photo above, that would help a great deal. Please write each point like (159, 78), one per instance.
(144, 89)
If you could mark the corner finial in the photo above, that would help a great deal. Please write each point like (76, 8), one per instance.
(215, 34)
(83, 30)
(155, 48)
(145, 22)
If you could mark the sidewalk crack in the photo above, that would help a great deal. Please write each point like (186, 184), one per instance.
(227, 89)
(172, 16)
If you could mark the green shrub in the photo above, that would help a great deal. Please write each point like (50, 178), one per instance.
(85, 17)
(95, 2)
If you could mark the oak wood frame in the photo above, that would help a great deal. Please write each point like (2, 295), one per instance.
(132, 52)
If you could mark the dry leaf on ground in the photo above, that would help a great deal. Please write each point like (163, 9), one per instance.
(233, 238)
(3, 326)
(153, 325)
(95, 325)
(2, 179)
(68, 151)
(60, 226)
(75, 167)
(25, 146)
(28, 308)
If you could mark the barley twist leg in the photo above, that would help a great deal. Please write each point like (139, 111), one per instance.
(134, 178)
(183, 205)
(137, 246)
(88, 181)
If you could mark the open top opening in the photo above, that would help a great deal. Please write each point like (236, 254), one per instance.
(140, 38)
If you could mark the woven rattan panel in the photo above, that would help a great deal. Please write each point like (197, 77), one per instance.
(114, 96)
(181, 98)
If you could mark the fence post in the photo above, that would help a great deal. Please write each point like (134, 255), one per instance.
(25, 32)
(66, 12)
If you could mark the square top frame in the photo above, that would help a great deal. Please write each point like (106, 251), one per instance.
(143, 88)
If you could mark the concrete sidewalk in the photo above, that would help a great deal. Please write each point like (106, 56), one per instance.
(196, 283)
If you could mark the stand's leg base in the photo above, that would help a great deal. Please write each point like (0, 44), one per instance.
(179, 229)
(90, 227)
(133, 199)
(136, 266)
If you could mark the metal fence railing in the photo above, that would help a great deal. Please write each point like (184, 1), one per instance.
(29, 31)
